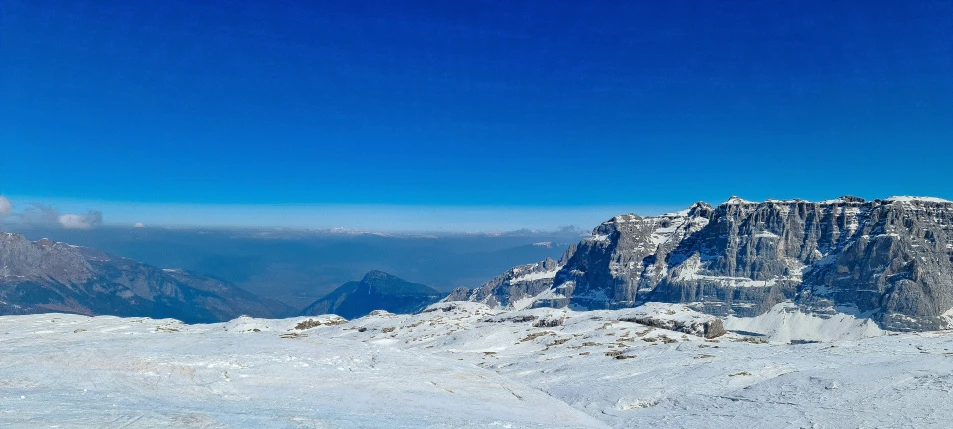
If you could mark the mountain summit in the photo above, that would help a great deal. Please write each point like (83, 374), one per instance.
(45, 276)
(888, 260)
(376, 291)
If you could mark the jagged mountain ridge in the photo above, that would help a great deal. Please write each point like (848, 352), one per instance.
(376, 291)
(45, 276)
(889, 260)
(517, 283)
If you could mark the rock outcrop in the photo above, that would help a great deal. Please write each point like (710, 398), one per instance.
(515, 288)
(889, 260)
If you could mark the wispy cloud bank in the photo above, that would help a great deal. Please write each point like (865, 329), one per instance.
(383, 218)
(38, 214)
(76, 221)
(6, 207)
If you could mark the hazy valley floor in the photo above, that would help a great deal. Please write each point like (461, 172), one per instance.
(458, 366)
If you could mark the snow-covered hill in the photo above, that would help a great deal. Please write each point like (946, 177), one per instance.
(464, 364)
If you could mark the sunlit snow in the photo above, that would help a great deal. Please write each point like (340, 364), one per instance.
(464, 365)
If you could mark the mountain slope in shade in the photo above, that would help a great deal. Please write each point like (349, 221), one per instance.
(887, 260)
(46, 276)
(513, 289)
(376, 291)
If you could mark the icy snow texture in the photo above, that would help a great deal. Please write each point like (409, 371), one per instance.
(75, 371)
(464, 365)
(907, 199)
(534, 276)
(784, 324)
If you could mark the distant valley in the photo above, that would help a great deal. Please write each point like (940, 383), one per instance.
(299, 267)
(886, 261)
(51, 277)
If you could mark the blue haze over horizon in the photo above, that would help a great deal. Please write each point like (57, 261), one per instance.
(478, 114)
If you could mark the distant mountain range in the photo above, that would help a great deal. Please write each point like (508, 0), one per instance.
(376, 291)
(45, 276)
(299, 267)
(887, 260)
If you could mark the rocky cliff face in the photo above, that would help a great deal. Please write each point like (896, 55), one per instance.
(44, 276)
(889, 260)
(516, 288)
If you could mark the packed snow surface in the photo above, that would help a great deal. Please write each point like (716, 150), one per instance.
(463, 365)
(901, 199)
(540, 275)
(908, 199)
(783, 323)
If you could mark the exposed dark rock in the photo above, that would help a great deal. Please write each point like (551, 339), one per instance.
(524, 281)
(890, 260)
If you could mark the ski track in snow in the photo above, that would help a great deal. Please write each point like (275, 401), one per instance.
(464, 365)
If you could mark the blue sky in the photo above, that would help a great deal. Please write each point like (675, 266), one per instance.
(493, 106)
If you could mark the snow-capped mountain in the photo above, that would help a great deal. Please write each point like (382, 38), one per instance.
(888, 260)
(45, 276)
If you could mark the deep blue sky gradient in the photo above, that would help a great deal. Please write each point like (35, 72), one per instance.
(475, 103)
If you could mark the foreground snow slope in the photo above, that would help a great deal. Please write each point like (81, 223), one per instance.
(159, 373)
(459, 365)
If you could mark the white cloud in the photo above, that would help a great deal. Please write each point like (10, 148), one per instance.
(139, 225)
(76, 221)
(44, 215)
(6, 207)
(39, 214)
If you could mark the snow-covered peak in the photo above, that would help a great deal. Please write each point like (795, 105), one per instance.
(794, 201)
(846, 199)
(10, 237)
(690, 211)
(738, 201)
(680, 213)
(623, 218)
(909, 199)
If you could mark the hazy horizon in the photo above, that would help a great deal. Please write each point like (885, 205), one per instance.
(298, 267)
(81, 214)
(374, 218)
